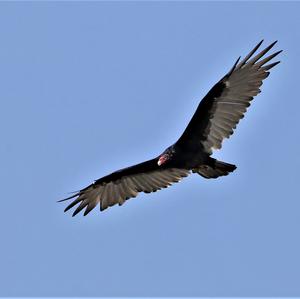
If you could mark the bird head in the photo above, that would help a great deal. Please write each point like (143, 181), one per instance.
(165, 156)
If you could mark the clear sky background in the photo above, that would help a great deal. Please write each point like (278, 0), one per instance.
(91, 87)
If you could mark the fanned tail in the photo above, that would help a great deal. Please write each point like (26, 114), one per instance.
(214, 168)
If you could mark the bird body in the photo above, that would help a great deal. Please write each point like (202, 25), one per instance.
(181, 157)
(215, 118)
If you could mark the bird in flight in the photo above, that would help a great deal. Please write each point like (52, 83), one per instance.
(216, 117)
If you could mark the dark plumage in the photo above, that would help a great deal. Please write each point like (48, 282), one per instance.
(215, 119)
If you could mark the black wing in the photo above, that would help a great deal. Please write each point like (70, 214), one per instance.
(225, 104)
(121, 185)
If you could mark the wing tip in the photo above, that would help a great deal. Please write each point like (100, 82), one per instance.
(259, 44)
(65, 199)
(258, 56)
(271, 65)
(66, 209)
(275, 42)
(78, 209)
(234, 66)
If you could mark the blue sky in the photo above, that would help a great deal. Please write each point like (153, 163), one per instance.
(91, 87)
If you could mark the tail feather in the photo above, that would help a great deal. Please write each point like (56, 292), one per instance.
(214, 169)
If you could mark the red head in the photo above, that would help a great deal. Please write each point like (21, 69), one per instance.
(166, 155)
(163, 159)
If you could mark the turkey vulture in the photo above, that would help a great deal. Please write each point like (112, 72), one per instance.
(215, 119)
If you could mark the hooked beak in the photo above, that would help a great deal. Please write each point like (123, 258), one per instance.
(162, 159)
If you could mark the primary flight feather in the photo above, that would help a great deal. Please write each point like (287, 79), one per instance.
(215, 119)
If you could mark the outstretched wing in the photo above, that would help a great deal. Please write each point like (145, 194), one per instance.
(126, 183)
(225, 104)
